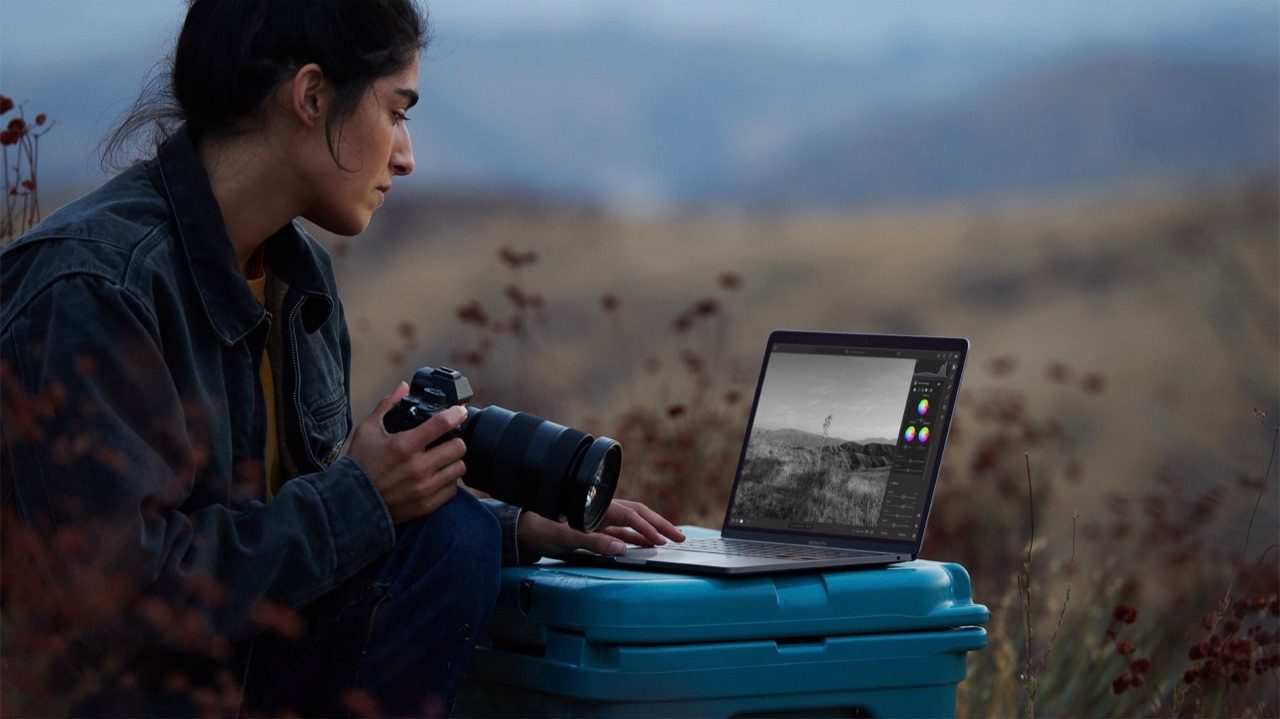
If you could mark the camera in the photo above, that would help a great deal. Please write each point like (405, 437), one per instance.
(559, 472)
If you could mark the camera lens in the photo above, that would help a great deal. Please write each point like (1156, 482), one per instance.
(597, 479)
(556, 471)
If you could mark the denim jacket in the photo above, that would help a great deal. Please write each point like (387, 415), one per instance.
(129, 351)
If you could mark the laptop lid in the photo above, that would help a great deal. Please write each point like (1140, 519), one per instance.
(844, 441)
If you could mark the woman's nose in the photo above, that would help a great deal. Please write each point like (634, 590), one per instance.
(402, 155)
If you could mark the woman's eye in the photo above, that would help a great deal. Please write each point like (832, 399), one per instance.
(400, 116)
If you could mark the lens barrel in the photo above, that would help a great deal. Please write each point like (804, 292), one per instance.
(556, 471)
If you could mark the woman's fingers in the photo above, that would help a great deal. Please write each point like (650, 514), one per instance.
(655, 528)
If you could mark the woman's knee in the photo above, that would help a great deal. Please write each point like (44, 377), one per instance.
(460, 543)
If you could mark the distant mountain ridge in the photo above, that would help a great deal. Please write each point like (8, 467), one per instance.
(610, 113)
(1104, 119)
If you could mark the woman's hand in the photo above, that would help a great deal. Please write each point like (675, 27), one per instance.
(624, 521)
(412, 482)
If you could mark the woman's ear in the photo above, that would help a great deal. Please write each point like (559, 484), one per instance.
(309, 95)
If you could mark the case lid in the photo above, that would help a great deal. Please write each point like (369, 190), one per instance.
(640, 607)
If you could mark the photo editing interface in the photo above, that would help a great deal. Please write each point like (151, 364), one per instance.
(844, 441)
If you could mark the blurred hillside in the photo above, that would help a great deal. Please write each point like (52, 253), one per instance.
(1099, 120)
(1169, 296)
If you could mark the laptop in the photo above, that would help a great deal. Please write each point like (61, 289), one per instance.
(840, 459)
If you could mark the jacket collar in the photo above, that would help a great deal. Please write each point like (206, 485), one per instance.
(229, 304)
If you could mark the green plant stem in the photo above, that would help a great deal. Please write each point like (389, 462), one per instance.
(1024, 586)
(1244, 551)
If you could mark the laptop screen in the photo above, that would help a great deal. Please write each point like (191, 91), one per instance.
(844, 441)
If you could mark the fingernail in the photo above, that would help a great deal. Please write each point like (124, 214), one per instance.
(461, 412)
(616, 547)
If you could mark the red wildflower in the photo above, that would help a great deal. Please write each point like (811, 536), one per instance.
(730, 280)
(1124, 613)
(40, 119)
(278, 618)
(6, 104)
(1094, 383)
(1240, 648)
(1207, 621)
(9, 137)
(1121, 683)
(1190, 676)
(1125, 647)
(693, 361)
(609, 303)
(362, 704)
(1058, 372)
(515, 259)
(1140, 666)
(675, 410)
(1231, 626)
(1240, 608)
(705, 307)
(472, 313)
(1002, 365)
(17, 124)
(516, 295)
(29, 185)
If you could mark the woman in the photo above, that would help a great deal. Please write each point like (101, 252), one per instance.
(192, 339)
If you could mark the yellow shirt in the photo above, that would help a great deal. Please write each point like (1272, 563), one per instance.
(271, 453)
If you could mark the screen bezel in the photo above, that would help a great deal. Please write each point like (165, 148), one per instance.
(958, 345)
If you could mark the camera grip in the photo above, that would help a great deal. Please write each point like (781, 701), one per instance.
(403, 416)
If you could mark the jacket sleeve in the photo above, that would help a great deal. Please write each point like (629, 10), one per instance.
(508, 516)
(96, 440)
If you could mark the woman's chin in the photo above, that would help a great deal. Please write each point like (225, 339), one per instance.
(347, 226)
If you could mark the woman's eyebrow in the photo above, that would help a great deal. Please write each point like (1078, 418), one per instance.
(408, 94)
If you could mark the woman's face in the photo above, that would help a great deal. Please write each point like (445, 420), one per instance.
(373, 147)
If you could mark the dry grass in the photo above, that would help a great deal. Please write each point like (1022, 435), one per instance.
(1119, 345)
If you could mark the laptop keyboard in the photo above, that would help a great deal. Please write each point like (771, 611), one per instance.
(744, 548)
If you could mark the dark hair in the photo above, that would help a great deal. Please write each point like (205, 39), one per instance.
(231, 54)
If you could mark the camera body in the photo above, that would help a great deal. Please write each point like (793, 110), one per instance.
(559, 472)
(434, 389)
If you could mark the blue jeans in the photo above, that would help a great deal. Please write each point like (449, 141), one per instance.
(399, 633)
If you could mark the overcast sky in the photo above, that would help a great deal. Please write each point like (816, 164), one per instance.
(864, 395)
(35, 33)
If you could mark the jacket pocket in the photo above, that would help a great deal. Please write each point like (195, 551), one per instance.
(326, 425)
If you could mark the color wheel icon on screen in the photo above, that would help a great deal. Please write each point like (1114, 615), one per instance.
(910, 434)
(923, 407)
(924, 435)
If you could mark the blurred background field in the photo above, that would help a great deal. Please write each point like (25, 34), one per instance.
(615, 203)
